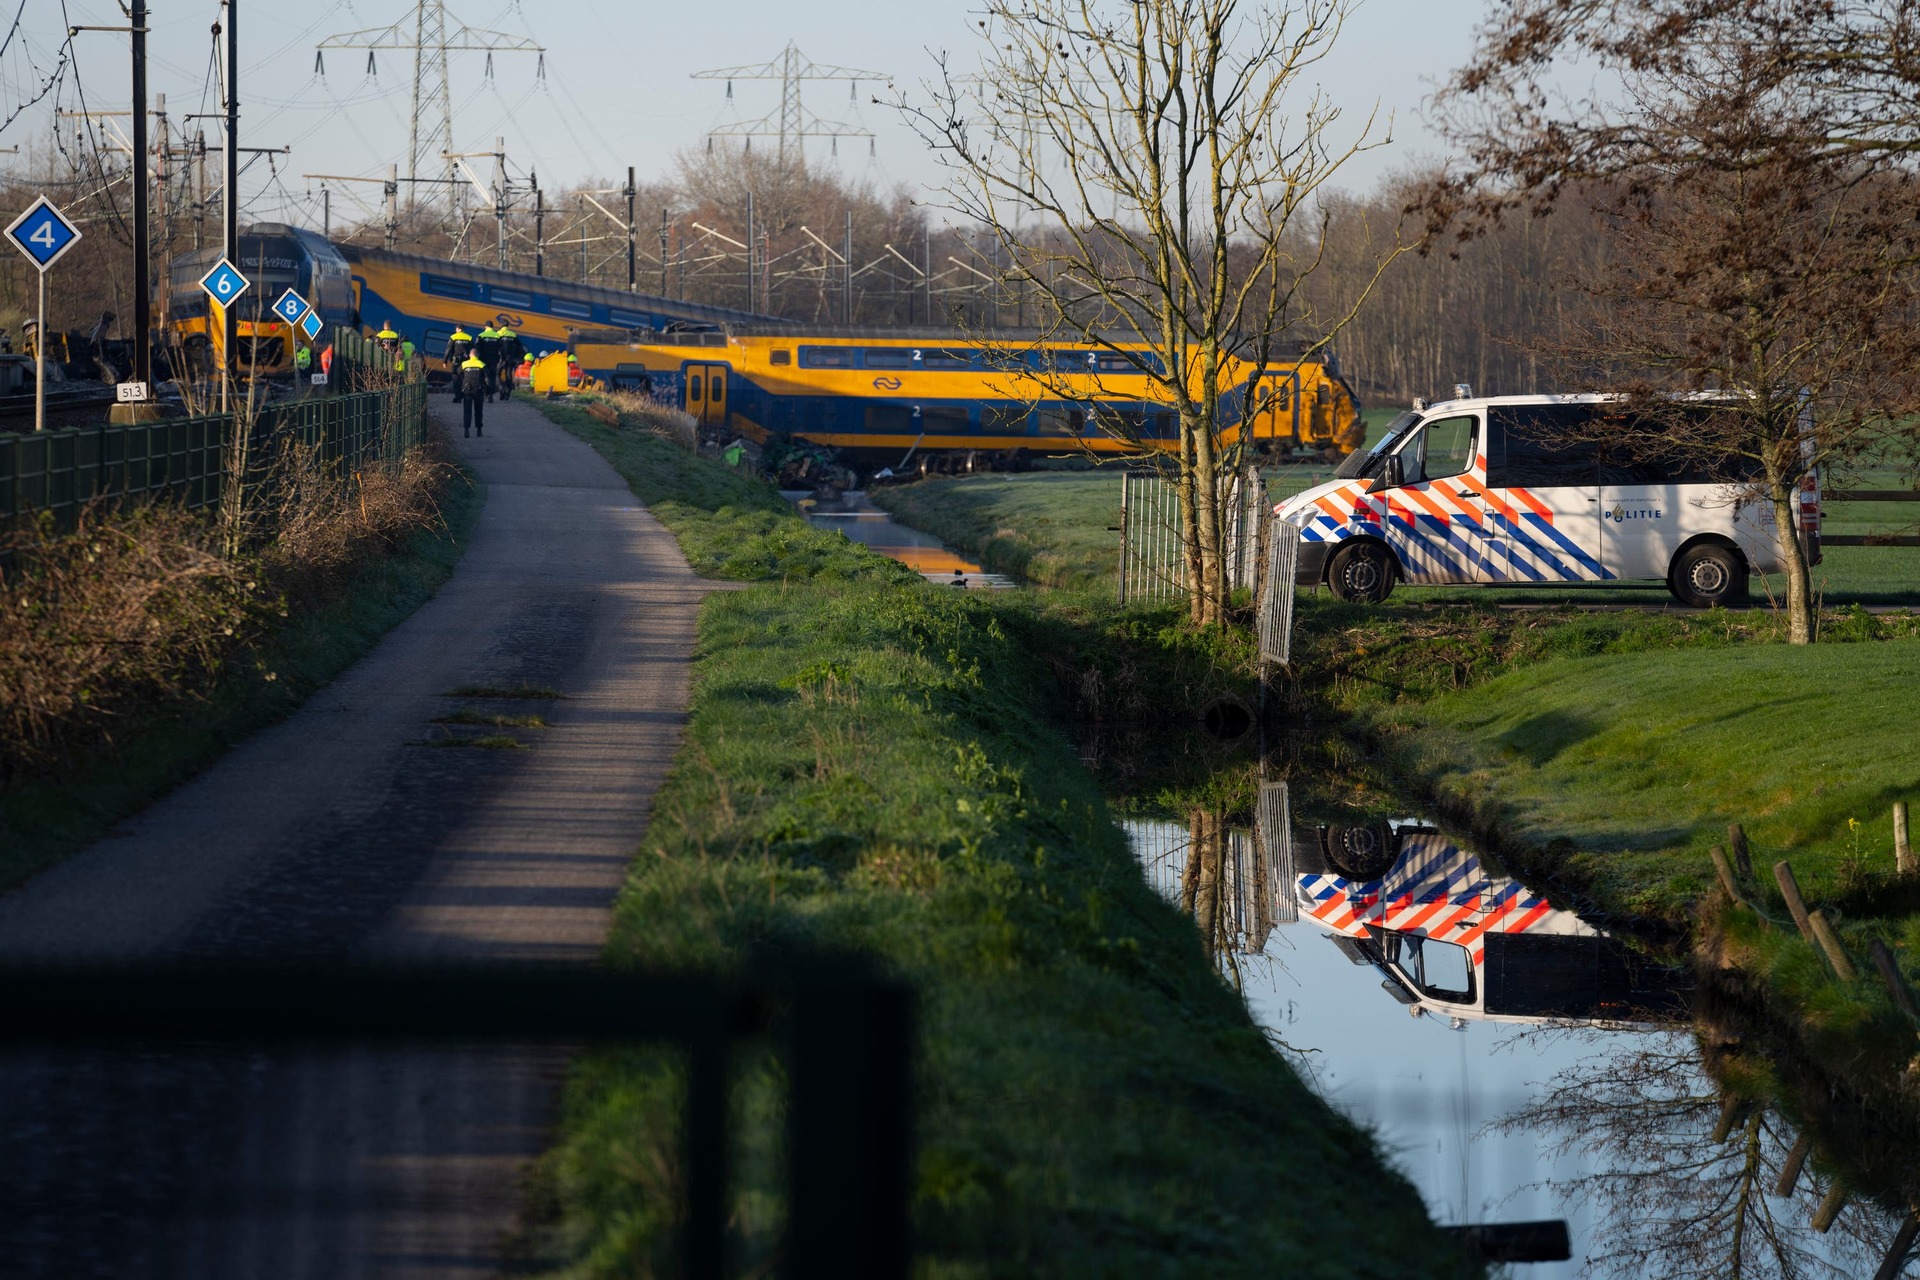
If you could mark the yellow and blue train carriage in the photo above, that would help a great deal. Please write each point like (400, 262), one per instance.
(426, 299)
(881, 393)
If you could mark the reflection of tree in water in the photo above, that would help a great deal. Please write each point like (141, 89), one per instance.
(1683, 1181)
(1231, 888)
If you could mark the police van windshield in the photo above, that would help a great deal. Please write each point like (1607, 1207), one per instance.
(1360, 464)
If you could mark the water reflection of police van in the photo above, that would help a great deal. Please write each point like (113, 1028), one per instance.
(1541, 489)
(1453, 937)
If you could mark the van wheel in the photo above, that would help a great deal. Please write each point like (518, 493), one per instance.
(1708, 574)
(1362, 573)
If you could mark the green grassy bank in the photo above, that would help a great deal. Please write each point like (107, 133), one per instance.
(875, 765)
(43, 820)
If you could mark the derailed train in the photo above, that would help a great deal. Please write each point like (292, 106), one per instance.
(925, 398)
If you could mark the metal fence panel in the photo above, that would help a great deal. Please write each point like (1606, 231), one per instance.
(1276, 602)
(184, 459)
(1153, 560)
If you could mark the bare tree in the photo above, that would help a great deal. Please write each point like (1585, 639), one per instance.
(1145, 171)
(1683, 1176)
(1756, 255)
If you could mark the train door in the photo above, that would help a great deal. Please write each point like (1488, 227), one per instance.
(1275, 411)
(706, 394)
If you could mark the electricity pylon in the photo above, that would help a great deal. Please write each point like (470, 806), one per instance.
(794, 122)
(430, 45)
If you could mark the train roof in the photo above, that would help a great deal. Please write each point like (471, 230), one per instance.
(801, 332)
(552, 285)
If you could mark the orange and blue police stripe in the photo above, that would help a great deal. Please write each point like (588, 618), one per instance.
(1515, 541)
(1435, 889)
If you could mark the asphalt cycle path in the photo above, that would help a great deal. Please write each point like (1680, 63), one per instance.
(350, 834)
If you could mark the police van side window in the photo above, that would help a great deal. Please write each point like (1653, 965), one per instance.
(1641, 449)
(1444, 448)
(1541, 446)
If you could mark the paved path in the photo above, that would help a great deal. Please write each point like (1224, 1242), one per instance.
(343, 834)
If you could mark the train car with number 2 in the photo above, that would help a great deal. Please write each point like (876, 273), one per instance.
(939, 399)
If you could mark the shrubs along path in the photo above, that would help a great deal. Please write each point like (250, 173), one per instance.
(342, 833)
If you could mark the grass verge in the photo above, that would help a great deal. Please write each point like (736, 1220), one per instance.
(874, 765)
(1614, 774)
(43, 820)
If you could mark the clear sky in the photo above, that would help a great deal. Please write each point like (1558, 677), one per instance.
(617, 89)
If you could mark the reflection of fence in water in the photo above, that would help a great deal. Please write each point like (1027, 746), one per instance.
(1153, 561)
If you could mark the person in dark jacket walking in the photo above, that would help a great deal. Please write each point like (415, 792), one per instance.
(487, 347)
(471, 387)
(511, 354)
(459, 347)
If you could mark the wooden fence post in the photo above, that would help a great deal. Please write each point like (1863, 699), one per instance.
(1830, 943)
(1796, 905)
(1737, 842)
(1892, 1265)
(1830, 1208)
(1790, 1171)
(1724, 870)
(1902, 846)
(1896, 984)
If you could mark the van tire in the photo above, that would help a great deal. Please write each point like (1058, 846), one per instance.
(1363, 573)
(1707, 574)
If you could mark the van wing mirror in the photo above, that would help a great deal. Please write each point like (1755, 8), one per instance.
(1390, 476)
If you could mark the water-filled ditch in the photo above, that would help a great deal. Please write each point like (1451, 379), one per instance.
(1517, 1060)
(860, 520)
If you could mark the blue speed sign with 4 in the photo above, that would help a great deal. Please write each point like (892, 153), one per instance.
(224, 283)
(290, 307)
(43, 233)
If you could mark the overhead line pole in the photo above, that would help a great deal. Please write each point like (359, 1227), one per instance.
(142, 286)
(633, 285)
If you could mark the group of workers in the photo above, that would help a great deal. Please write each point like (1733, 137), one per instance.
(482, 366)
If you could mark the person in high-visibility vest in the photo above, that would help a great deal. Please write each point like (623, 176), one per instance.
(512, 352)
(302, 358)
(387, 342)
(459, 347)
(471, 387)
(487, 347)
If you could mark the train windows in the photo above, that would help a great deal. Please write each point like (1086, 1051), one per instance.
(630, 320)
(892, 419)
(945, 420)
(826, 358)
(780, 356)
(693, 388)
(718, 391)
(446, 287)
(947, 360)
(1067, 361)
(889, 357)
(509, 297)
(436, 341)
(1114, 362)
(561, 307)
(1063, 422)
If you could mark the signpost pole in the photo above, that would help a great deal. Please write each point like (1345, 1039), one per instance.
(40, 362)
(142, 289)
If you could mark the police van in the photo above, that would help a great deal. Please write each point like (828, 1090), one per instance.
(1525, 489)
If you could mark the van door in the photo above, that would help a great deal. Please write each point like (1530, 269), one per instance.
(1435, 521)
(1543, 493)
